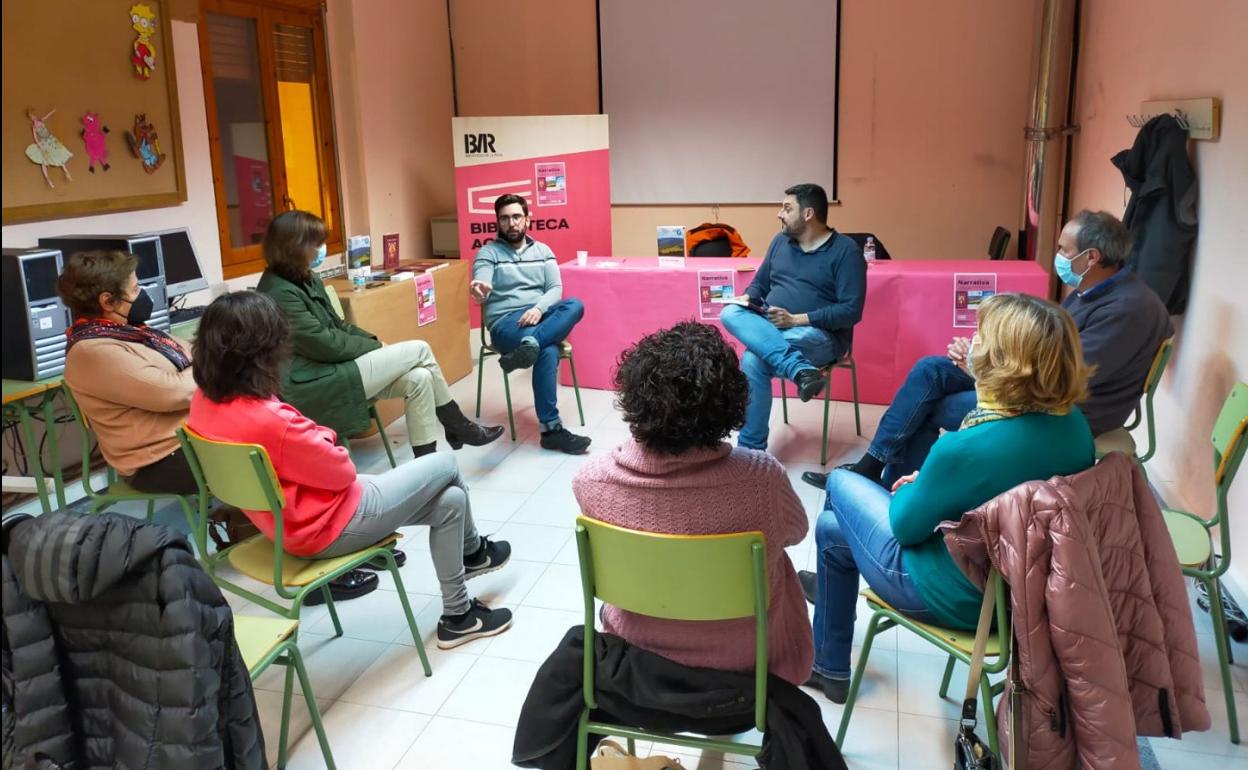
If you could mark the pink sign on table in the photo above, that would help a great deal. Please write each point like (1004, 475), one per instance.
(906, 315)
(970, 289)
(426, 299)
(714, 288)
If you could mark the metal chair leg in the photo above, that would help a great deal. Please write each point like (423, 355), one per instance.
(511, 416)
(576, 388)
(296, 663)
(1218, 617)
(827, 403)
(381, 432)
(333, 611)
(990, 717)
(480, 375)
(944, 680)
(284, 734)
(784, 401)
(859, 670)
(853, 375)
(393, 568)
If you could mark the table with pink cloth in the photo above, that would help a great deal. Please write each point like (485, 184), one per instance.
(909, 312)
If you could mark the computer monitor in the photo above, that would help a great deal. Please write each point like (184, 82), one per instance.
(183, 271)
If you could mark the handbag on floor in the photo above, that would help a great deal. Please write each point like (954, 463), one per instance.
(969, 752)
(612, 756)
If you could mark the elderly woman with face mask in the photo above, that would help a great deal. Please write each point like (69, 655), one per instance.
(1029, 373)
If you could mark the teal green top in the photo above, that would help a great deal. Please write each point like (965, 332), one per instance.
(965, 469)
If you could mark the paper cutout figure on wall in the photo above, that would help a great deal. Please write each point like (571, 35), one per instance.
(143, 21)
(47, 150)
(144, 144)
(93, 136)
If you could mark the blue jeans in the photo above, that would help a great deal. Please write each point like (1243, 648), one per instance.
(853, 538)
(506, 334)
(771, 352)
(936, 394)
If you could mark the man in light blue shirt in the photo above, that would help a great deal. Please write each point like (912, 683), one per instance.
(526, 315)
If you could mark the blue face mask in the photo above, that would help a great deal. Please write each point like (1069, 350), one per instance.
(1066, 271)
(319, 258)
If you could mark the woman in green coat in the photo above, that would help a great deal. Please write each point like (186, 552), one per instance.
(336, 368)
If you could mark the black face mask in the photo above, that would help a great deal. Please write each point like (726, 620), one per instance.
(140, 309)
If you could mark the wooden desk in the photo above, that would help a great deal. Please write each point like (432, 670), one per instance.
(22, 400)
(389, 311)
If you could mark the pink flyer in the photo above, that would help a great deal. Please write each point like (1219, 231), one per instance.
(715, 287)
(552, 184)
(970, 289)
(426, 300)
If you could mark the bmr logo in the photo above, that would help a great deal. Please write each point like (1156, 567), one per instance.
(479, 144)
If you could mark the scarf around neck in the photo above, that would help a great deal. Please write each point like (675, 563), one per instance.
(102, 328)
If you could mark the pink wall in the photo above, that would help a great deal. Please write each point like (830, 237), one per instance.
(392, 95)
(199, 212)
(1136, 50)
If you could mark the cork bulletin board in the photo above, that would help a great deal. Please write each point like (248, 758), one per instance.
(78, 57)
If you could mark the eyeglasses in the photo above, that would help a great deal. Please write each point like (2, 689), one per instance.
(511, 217)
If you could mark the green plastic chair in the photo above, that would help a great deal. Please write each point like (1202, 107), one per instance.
(678, 577)
(1120, 439)
(1193, 536)
(373, 414)
(489, 351)
(846, 362)
(118, 489)
(959, 645)
(242, 475)
(265, 641)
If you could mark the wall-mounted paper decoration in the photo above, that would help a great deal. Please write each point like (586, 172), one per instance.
(47, 150)
(143, 21)
(144, 144)
(93, 136)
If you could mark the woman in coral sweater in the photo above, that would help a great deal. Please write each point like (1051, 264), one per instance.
(330, 510)
(682, 392)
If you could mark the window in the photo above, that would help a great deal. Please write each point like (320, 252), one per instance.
(270, 128)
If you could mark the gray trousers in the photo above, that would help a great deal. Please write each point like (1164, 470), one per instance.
(427, 491)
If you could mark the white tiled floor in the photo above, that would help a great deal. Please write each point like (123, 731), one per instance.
(381, 712)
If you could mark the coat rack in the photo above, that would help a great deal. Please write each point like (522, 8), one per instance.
(1201, 118)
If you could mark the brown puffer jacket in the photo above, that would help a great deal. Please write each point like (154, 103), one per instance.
(1107, 649)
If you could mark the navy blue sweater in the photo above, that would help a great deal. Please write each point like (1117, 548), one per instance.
(829, 284)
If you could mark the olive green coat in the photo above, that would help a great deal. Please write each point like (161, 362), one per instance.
(321, 379)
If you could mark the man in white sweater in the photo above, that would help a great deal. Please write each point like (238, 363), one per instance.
(526, 314)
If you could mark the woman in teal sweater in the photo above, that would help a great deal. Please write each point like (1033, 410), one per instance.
(1029, 373)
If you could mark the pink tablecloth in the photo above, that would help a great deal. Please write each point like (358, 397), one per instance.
(909, 312)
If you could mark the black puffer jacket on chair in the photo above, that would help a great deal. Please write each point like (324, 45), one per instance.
(119, 651)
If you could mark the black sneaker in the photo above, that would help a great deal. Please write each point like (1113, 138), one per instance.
(350, 585)
(562, 440)
(836, 690)
(479, 621)
(816, 479)
(809, 384)
(489, 557)
(809, 581)
(522, 357)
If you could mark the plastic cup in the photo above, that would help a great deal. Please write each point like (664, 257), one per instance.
(582, 258)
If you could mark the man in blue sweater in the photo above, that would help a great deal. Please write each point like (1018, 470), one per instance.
(1121, 324)
(808, 294)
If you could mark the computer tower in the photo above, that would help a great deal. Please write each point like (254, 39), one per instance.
(150, 270)
(35, 319)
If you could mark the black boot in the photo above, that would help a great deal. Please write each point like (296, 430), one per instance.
(420, 450)
(460, 430)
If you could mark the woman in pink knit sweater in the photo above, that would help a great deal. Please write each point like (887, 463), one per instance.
(682, 392)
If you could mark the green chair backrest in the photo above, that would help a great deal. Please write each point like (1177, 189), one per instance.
(240, 475)
(1159, 367)
(81, 418)
(1229, 441)
(677, 577)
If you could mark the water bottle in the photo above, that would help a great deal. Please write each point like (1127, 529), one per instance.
(359, 276)
(868, 249)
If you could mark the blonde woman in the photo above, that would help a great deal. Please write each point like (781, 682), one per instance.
(1029, 374)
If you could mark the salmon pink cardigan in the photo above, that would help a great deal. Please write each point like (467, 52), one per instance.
(317, 476)
(707, 492)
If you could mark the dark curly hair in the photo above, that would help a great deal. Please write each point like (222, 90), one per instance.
(242, 340)
(681, 388)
